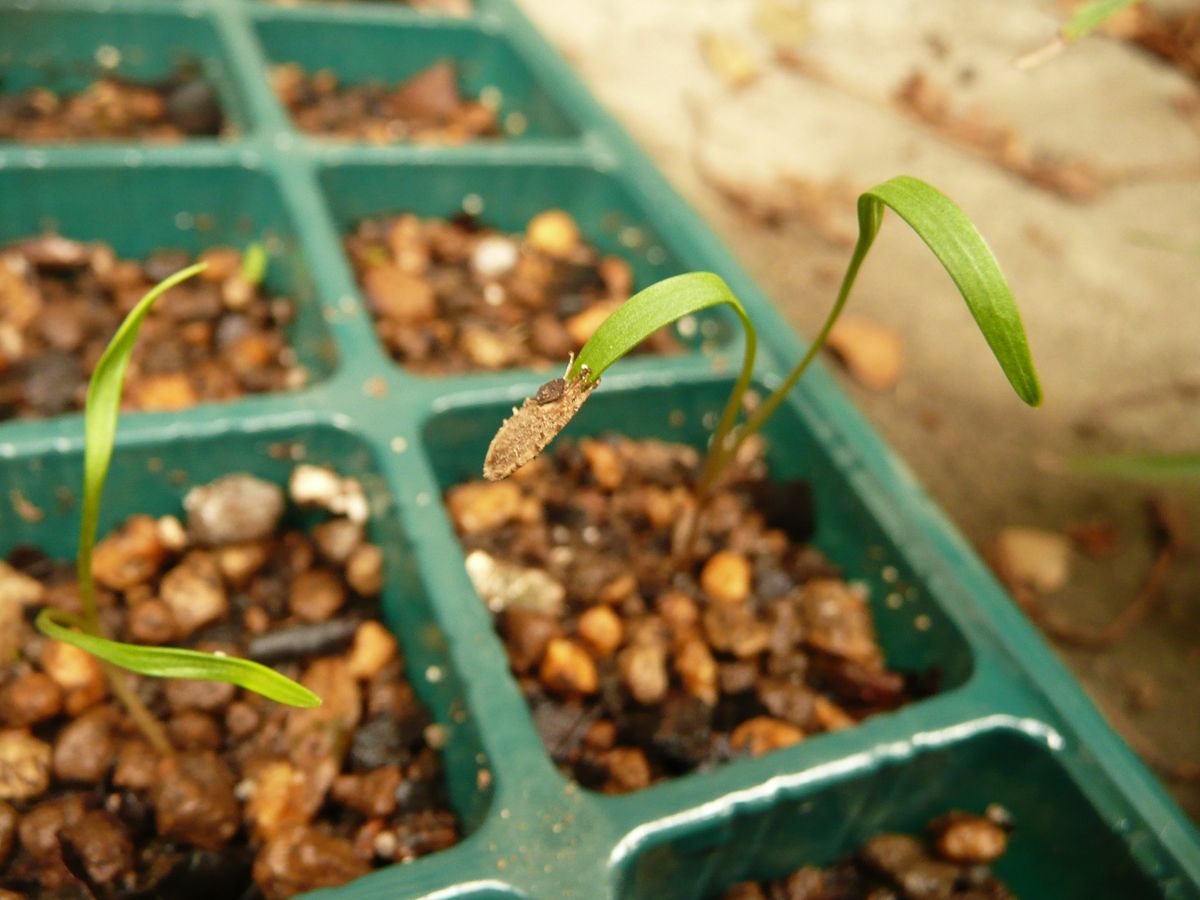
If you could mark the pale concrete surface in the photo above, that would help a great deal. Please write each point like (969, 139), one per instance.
(1114, 324)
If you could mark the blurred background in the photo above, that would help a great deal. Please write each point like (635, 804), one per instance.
(1083, 172)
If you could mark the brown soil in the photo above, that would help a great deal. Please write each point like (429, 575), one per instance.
(214, 337)
(638, 666)
(952, 864)
(182, 106)
(458, 296)
(427, 108)
(258, 795)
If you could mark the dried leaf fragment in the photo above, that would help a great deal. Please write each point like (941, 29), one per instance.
(873, 353)
(729, 59)
(535, 424)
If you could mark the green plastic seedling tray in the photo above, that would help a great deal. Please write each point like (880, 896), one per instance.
(1010, 724)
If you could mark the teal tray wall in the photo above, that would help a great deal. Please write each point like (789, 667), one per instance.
(1011, 725)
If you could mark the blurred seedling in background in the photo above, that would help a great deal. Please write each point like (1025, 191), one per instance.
(943, 227)
(84, 630)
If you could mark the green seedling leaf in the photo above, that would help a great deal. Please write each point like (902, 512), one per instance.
(101, 416)
(1091, 16)
(101, 413)
(539, 420)
(254, 263)
(175, 662)
(967, 259)
(1086, 19)
(1142, 466)
(943, 227)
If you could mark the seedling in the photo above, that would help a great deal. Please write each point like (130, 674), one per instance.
(945, 229)
(101, 416)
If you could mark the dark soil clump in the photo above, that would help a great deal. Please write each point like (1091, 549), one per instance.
(111, 108)
(217, 336)
(953, 864)
(427, 108)
(457, 296)
(638, 667)
(259, 799)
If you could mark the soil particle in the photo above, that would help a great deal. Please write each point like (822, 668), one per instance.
(505, 586)
(207, 696)
(302, 859)
(316, 595)
(85, 747)
(153, 622)
(763, 734)
(602, 629)
(526, 634)
(194, 592)
(966, 838)
(24, 765)
(337, 539)
(371, 793)
(838, 621)
(31, 698)
(235, 509)
(726, 577)
(17, 588)
(8, 830)
(567, 668)
(39, 834)
(100, 845)
(281, 796)
(364, 570)
(137, 763)
(194, 800)
(373, 648)
(129, 556)
(644, 671)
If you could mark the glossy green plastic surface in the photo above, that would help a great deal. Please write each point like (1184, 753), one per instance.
(1010, 725)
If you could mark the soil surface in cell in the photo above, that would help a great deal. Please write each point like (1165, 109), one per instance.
(641, 660)
(258, 799)
(458, 296)
(952, 863)
(217, 336)
(427, 108)
(111, 108)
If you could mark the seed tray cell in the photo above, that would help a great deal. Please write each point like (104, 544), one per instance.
(65, 48)
(356, 52)
(1009, 724)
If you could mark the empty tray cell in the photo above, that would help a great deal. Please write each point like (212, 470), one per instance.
(71, 267)
(425, 81)
(641, 661)
(289, 552)
(1059, 845)
(69, 75)
(485, 267)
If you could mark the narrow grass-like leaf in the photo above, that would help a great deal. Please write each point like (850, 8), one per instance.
(965, 256)
(969, 262)
(174, 662)
(254, 263)
(1091, 16)
(1141, 466)
(100, 427)
(661, 304)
